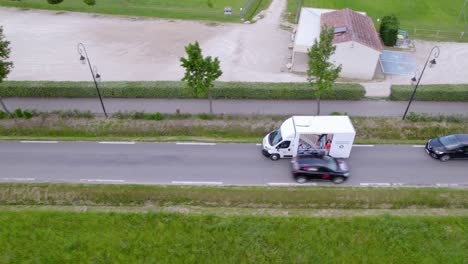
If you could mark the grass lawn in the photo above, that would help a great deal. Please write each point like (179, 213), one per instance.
(423, 14)
(220, 128)
(180, 9)
(66, 237)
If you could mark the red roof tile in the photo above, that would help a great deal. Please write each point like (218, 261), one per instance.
(359, 28)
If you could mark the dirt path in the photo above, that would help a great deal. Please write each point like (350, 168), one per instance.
(126, 48)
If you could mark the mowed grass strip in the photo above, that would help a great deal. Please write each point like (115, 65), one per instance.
(223, 128)
(64, 237)
(422, 14)
(180, 9)
(236, 197)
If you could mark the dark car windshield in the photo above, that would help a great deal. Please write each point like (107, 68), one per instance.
(450, 142)
(275, 137)
(331, 163)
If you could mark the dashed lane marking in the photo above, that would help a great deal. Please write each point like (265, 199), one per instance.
(291, 184)
(40, 142)
(117, 142)
(364, 146)
(100, 180)
(418, 146)
(196, 183)
(18, 179)
(196, 143)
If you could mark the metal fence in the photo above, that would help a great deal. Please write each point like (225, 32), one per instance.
(433, 34)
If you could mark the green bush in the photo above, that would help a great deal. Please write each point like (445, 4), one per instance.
(389, 30)
(3, 115)
(18, 113)
(27, 114)
(54, 2)
(174, 89)
(73, 114)
(433, 92)
(90, 2)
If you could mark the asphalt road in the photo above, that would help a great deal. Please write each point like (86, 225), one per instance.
(211, 164)
(279, 107)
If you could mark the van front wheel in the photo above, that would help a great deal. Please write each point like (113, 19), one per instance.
(274, 157)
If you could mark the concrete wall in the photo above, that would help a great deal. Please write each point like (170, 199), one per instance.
(357, 61)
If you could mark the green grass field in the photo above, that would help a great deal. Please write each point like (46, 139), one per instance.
(180, 9)
(66, 237)
(421, 14)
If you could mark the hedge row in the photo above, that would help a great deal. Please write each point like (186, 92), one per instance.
(433, 92)
(174, 89)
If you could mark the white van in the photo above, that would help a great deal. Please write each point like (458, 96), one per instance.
(330, 135)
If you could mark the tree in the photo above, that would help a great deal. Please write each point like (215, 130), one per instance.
(200, 72)
(322, 73)
(389, 30)
(5, 66)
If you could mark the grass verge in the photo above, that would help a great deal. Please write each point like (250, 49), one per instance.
(431, 92)
(222, 128)
(234, 197)
(65, 237)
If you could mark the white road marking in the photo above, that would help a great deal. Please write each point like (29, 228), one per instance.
(43, 142)
(100, 180)
(196, 183)
(446, 184)
(365, 146)
(418, 146)
(291, 184)
(376, 184)
(258, 144)
(18, 179)
(196, 143)
(117, 142)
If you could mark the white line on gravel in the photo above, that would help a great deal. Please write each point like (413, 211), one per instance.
(100, 180)
(196, 143)
(418, 146)
(196, 183)
(18, 179)
(43, 142)
(365, 146)
(117, 142)
(291, 184)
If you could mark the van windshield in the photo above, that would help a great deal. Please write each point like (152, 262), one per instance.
(275, 137)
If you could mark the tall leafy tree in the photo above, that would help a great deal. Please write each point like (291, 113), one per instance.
(321, 73)
(5, 65)
(200, 72)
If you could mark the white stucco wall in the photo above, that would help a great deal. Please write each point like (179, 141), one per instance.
(357, 61)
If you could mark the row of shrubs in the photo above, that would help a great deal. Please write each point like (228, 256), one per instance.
(433, 92)
(174, 89)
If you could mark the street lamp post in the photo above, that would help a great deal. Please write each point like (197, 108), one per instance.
(436, 51)
(96, 77)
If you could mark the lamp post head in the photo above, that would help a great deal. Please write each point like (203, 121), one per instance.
(82, 59)
(432, 63)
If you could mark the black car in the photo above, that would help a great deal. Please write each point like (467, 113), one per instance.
(448, 147)
(306, 167)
